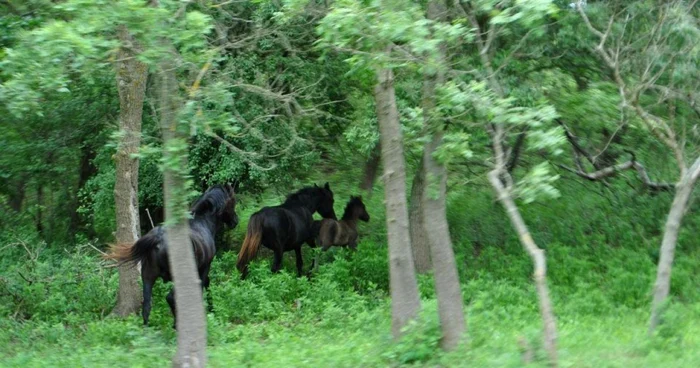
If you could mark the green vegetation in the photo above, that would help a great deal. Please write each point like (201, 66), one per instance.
(601, 270)
(582, 114)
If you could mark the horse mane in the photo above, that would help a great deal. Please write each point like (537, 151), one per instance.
(352, 203)
(212, 201)
(302, 195)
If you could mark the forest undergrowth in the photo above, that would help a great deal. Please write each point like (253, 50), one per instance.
(54, 302)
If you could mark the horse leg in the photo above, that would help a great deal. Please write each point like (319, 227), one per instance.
(277, 261)
(300, 261)
(147, 294)
(170, 298)
(204, 277)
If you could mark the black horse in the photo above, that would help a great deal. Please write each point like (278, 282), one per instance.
(215, 207)
(285, 227)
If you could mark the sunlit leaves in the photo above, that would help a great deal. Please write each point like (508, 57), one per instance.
(526, 12)
(364, 30)
(83, 41)
(454, 147)
(538, 184)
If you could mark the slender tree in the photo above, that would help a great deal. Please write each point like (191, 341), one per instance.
(131, 77)
(641, 73)
(417, 220)
(369, 174)
(492, 99)
(447, 288)
(190, 317)
(405, 302)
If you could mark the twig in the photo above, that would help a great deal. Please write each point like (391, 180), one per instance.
(95, 248)
(25, 279)
(150, 218)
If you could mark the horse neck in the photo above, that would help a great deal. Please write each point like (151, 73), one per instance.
(210, 221)
(350, 222)
(310, 205)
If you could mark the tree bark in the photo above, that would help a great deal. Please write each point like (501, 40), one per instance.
(39, 210)
(405, 302)
(190, 317)
(416, 218)
(86, 171)
(447, 288)
(662, 286)
(538, 258)
(371, 167)
(131, 83)
(433, 198)
(17, 197)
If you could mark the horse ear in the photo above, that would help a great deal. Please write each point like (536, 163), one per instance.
(206, 206)
(327, 186)
(315, 185)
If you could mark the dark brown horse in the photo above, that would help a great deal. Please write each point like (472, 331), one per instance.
(329, 232)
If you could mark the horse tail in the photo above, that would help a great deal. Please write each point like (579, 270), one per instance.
(140, 251)
(251, 243)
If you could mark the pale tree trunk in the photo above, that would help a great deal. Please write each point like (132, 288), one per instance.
(405, 302)
(497, 133)
(416, 218)
(131, 82)
(447, 288)
(190, 317)
(662, 286)
(538, 259)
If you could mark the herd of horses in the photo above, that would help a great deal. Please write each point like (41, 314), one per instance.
(280, 228)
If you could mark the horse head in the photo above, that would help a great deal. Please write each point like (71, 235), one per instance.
(355, 209)
(229, 215)
(220, 202)
(324, 197)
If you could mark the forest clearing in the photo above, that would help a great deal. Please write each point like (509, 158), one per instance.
(349, 183)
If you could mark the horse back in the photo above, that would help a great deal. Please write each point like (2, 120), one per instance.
(284, 226)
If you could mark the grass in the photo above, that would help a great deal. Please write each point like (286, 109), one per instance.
(53, 308)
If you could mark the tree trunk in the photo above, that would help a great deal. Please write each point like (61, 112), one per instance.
(16, 198)
(416, 217)
(538, 258)
(684, 190)
(405, 302)
(86, 171)
(370, 171)
(39, 210)
(447, 289)
(131, 82)
(190, 317)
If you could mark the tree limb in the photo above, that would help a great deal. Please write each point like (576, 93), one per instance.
(613, 170)
(514, 153)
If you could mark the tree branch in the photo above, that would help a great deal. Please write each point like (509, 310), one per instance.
(613, 170)
(514, 153)
(578, 149)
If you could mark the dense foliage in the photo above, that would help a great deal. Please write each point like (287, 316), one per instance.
(277, 95)
(601, 270)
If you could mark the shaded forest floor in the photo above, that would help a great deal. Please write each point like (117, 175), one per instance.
(601, 249)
